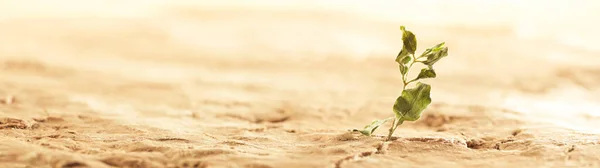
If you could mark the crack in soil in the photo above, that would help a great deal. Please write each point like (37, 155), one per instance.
(14, 123)
(569, 150)
(381, 149)
(338, 164)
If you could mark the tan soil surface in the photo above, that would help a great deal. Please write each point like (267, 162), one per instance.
(201, 86)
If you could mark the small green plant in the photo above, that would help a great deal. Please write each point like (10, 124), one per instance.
(412, 101)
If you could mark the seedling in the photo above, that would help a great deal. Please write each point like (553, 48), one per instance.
(412, 101)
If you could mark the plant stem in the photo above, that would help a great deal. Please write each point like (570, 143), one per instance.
(411, 81)
(395, 125)
(397, 122)
(404, 80)
(391, 131)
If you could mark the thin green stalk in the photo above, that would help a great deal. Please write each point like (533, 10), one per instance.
(391, 131)
(405, 83)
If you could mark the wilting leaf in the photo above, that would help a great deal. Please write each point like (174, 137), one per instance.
(369, 129)
(412, 102)
(426, 73)
(434, 54)
(409, 41)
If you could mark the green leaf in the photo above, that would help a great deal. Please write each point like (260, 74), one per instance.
(434, 54)
(426, 73)
(406, 60)
(403, 69)
(435, 48)
(412, 102)
(409, 41)
(369, 129)
(403, 57)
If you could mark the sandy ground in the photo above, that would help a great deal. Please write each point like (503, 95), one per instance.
(241, 87)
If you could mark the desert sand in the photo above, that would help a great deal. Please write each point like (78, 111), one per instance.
(274, 84)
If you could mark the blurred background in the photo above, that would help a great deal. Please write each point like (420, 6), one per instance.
(543, 54)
